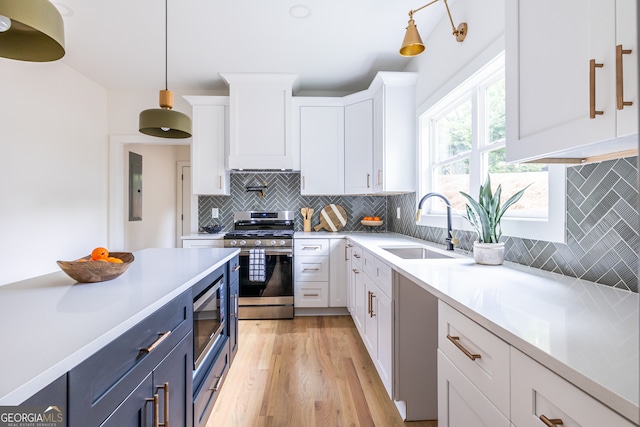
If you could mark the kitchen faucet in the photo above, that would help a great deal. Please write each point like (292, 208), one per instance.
(450, 239)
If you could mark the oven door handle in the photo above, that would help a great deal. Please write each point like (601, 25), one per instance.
(206, 296)
(245, 252)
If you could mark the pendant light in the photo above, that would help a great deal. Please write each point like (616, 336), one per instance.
(31, 30)
(164, 122)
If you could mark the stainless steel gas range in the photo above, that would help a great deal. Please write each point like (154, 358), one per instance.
(265, 240)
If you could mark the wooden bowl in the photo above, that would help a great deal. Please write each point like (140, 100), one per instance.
(96, 271)
(371, 223)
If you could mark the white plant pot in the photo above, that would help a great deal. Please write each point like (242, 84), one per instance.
(488, 253)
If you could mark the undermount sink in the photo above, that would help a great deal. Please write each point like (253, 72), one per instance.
(416, 252)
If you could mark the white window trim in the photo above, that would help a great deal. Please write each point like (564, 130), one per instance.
(551, 229)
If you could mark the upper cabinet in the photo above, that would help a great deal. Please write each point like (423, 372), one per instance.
(320, 135)
(358, 151)
(380, 142)
(394, 139)
(260, 132)
(209, 174)
(572, 89)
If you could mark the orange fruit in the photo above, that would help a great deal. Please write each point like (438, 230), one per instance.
(114, 259)
(376, 218)
(99, 253)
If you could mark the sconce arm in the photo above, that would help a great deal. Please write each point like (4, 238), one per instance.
(460, 32)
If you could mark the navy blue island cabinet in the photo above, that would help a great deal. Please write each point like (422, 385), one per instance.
(141, 377)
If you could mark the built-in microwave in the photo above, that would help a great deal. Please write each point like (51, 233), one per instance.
(208, 319)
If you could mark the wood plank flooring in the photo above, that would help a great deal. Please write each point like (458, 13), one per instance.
(309, 371)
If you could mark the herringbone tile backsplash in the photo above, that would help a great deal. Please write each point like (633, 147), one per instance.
(283, 194)
(602, 219)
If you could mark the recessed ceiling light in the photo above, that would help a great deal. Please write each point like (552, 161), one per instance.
(300, 11)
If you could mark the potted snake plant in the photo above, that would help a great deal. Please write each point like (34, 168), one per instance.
(484, 215)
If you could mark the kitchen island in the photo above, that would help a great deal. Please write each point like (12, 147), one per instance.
(50, 324)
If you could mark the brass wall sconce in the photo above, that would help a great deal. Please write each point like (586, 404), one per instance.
(412, 44)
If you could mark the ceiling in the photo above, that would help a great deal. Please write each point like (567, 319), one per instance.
(337, 48)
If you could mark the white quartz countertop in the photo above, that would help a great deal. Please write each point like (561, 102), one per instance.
(203, 236)
(49, 324)
(585, 332)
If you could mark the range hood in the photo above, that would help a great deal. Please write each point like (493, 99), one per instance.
(260, 121)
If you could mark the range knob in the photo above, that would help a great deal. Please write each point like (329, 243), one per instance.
(243, 243)
(272, 243)
(234, 243)
(281, 242)
(258, 243)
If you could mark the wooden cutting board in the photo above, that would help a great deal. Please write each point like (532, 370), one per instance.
(332, 218)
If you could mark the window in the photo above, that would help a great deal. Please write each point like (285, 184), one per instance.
(462, 139)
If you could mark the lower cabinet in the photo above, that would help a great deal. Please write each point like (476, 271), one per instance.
(208, 391)
(539, 397)
(460, 403)
(163, 397)
(108, 386)
(311, 273)
(234, 293)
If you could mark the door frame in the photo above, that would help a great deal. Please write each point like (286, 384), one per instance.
(116, 190)
(193, 205)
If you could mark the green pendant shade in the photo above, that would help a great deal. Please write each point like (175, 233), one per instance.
(154, 122)
(36, 33)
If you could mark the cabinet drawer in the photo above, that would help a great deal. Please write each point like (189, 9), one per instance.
(312, 294)
(369, 264)
(356, 257)
(206, 396)
(537, 391)
(311, 269)
(311, 246)
(489, 372)
(100, 383)
(384, 276)
(460, 403)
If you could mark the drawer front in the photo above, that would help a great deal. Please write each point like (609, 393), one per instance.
(460, 403)
(489, 372)
(311, 269)
(538, 392)
(356, 257)
(311, 294)
(100, 383)
(369, 264)
(384, 277)
(208, 394)
(311, 246)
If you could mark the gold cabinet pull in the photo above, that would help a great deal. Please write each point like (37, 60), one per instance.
(156, 408)
(619, 77)
(216, 387)
(379, 176)
(165, 386)
(371, 297)
(220, 181)
(234, 299)
(303, 184)
(455, 341)
(235, 268)
(156, 343)
(592, 89)
(554, 422)
(368, 178)
(311, 295)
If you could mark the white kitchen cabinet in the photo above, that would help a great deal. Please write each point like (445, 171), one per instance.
(261, 128)
(537, 392)
(551, 103)
(460, 403)
(338, 278)
(394, 139)
(320, 134)
(202, 243)
(481, 356)
(311, 273)
(358, 299)
(209, 174)
(358, 147)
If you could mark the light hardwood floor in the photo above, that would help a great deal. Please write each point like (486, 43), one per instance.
(309, 371)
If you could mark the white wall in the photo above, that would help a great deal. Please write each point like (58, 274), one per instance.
(440, 64)
(159, 200)
(53, 174)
